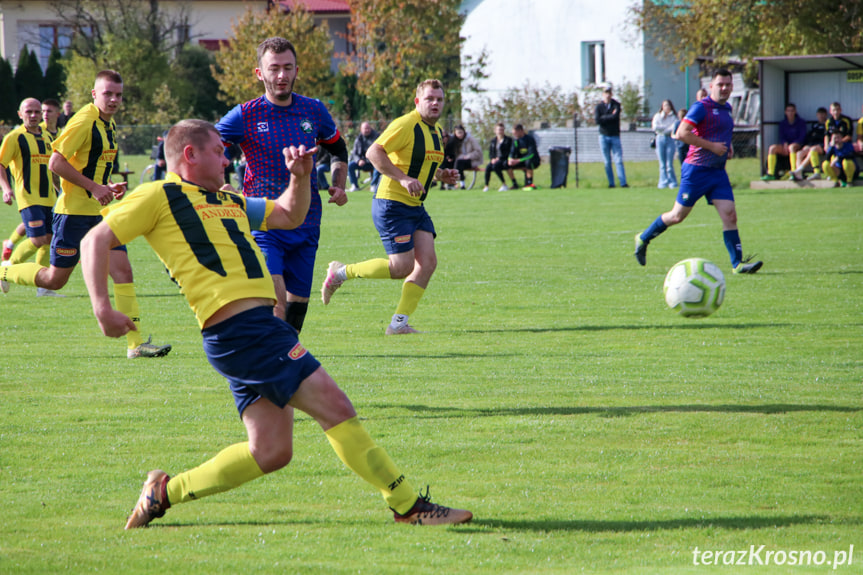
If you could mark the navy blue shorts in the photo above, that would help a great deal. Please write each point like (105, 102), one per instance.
(291, 254)
(260, 355)
(38, 220)
(69, 230)
(396, 223)
(698, 181)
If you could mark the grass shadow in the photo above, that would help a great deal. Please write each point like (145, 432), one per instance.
(591, 526)
(609, 411)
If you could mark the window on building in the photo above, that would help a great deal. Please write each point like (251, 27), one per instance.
(592, 63)
(51, 35)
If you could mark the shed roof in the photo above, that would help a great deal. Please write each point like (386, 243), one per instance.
(820, 62)
(319, 6)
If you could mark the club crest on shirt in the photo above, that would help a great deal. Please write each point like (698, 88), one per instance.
(263, 127)
(297, 351)
(306, 126)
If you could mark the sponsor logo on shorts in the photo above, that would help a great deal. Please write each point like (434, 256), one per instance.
(402, 239)
(68, 252)
(35, 223)
(297, 352)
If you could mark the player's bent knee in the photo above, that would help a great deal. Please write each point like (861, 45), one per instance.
(272, 456)
(401, 269)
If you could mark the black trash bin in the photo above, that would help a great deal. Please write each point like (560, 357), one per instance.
(558, 158)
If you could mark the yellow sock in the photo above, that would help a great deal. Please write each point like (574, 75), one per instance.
(378, 269)
(828, 169)
(127, 302)
(849, 167)
(411, 295)
(23, 251)
(21, 274)
(792, 159)
(815, 160)
(15, 237)
(43, 256)
(771, 164)
(232, 467)
(358, 452)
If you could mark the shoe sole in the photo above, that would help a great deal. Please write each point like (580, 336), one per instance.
(640, 255)
(755, 267)
(325, 297)
(402, 331)
(159, 353)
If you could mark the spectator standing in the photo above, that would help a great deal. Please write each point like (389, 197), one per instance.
(792, 138)
(607, 116)
(159, 164)
(524, 155)
(663, 126)
(468, 153)
(67, 113)
(498, 152)
(682, 147)
(358, 160)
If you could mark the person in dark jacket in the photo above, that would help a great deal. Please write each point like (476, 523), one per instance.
(607, 116)
(498, 152)
(358, 161)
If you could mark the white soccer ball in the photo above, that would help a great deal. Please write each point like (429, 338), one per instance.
(694, 287)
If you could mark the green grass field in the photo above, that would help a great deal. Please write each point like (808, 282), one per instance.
(588, 427)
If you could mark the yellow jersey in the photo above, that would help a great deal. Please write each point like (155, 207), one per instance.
(27, 155)
(203, 238)
(416, 149)
(89, 144)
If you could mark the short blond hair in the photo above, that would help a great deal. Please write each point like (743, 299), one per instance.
(430, 83)
(187, 132)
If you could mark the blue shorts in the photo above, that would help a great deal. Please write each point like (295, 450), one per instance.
(38, 220)
(260, 355)
(69, 230)
(698, 181)
(396, 223)
(291, 254)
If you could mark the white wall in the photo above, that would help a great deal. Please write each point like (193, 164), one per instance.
(540, 41)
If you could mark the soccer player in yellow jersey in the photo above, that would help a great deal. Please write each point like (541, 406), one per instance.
(408, 155)
(203, 236)
(50, 113)
(26, 151)
(84, 156)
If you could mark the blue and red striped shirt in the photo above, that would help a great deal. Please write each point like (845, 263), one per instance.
(262, 129)
(713, 122)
